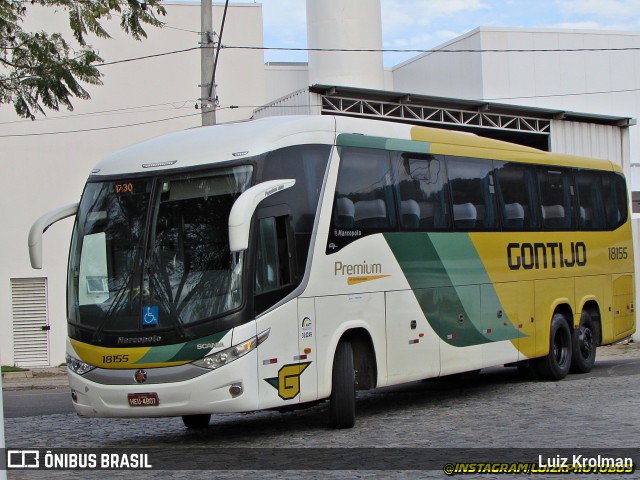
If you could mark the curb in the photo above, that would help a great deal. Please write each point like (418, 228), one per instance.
(15, 375)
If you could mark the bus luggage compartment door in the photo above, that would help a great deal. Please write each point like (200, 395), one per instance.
(623, 306)
(413, 350)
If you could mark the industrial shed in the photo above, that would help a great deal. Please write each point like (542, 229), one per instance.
(575, 133)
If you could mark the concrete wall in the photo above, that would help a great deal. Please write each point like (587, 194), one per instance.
(352, 25)
(597, 82)
(40, 170)
(283, 78)
(455, 75)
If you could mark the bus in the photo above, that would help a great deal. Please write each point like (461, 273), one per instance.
(285, 261)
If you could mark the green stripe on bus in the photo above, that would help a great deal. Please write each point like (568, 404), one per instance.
(452, 287)
(187, 351)
(382, 143)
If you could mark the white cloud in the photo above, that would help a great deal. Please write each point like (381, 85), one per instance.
(418, 9)
(601, 8)
(399, 15)
(423, 24)
(607, 14)
(445, 35)
(285, 25)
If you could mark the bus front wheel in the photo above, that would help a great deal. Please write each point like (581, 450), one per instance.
(556, 364)
(584, 345)
(342, 403)
(196, 421)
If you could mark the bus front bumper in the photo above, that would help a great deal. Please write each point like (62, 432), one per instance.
(231, 388)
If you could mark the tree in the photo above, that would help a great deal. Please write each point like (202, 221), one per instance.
(39, 69)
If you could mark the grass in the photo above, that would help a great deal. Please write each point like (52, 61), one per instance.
(9, 368)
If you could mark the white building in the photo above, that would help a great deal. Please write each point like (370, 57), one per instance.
(42, 169)
(601, 81)
(598, 81)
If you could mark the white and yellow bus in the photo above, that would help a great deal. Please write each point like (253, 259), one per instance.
(289, 260)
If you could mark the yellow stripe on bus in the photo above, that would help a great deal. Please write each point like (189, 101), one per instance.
(104, 357)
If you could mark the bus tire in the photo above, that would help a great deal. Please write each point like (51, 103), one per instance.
(196, 421)
(342, 403)
(556, 364)
(584, 345)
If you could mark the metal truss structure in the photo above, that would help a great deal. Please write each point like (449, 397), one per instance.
(416, 113)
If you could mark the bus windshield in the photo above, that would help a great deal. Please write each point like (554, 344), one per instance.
(154, 253)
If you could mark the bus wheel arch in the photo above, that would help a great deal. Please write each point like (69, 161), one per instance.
(556, 364)
(364, 357)
(585, 339)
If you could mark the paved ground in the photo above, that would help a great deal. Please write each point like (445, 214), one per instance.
(55, 377)
(495, 410)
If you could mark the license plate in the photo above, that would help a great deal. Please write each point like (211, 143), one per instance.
(143, 399)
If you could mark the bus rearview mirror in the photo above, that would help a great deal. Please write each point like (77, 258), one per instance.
(41, 225)
(245, 205)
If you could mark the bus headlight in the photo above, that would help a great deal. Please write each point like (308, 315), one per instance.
(223, 357)
(78, 366)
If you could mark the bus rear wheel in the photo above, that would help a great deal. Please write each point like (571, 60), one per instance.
(342, 403)
(584, 345)
(196, 421)
(556, 365)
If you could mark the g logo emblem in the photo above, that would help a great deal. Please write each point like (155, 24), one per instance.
(288, 380)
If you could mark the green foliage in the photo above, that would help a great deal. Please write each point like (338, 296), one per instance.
(9, 368)
(40, 69)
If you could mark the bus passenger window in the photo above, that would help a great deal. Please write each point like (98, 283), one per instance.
(472, 193)
(592, 214)
(364, 196)
(556, 199)
(421, 192)
(615, 193)
(516, 196)
(345, 212)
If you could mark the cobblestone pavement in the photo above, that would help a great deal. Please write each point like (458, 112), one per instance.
(492, 410)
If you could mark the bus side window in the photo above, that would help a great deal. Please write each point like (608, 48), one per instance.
(306, 164)
(274, 271)
(421, 192)
(556, 199)
(517, 196)
(590, 200)
(472, 192)
(615, 194)
(364, 193)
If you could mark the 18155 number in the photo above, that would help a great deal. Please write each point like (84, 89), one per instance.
(115, 358)
(618, 253)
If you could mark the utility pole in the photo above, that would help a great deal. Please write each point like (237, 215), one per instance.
(3, 472)
(207, 92)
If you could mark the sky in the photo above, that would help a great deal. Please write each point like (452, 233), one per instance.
(425, 24)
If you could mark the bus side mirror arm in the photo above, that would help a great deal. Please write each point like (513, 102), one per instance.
(245, 205)
(40, 226)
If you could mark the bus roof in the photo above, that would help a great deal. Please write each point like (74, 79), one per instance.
(233, 141)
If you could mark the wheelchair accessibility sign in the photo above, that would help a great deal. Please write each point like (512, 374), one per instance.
(149, 316)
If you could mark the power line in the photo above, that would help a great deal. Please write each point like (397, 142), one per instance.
(212, 86)
(147, 56)
(232, 107)
(164, 25)
(136, 109)
(410, 50)
(575, 94)
(383, 50)
(81, 130)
